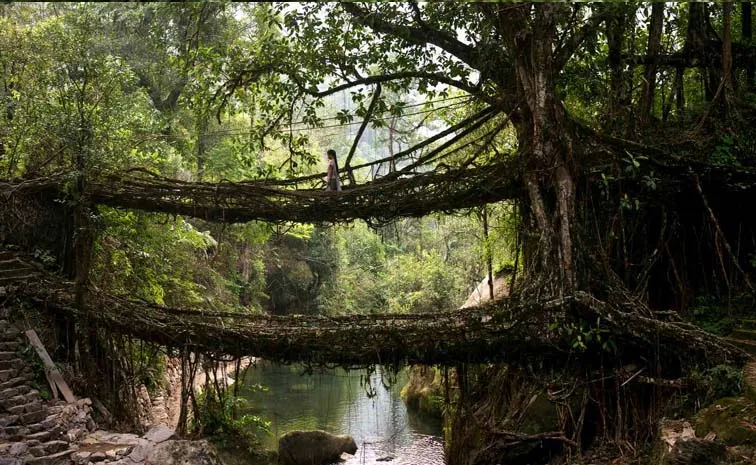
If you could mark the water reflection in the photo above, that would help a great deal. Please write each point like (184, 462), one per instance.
(336, 401)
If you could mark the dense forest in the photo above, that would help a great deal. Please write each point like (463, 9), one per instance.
(149, 105)
(598, 159)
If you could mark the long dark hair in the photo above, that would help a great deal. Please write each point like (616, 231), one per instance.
(332, 153)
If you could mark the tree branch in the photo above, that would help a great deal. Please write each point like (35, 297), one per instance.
(743, 56)
(413, 35)
(566, 51)
(466, 86)
(368, 115)
(480, 119)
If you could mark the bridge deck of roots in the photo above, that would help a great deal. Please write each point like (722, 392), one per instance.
(498, 332)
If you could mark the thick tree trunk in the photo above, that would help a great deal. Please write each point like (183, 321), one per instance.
(546, 139)
(727, 84)
(649, 73)
(747, 33)
(616, 29)
(677, 94)
(696, 44)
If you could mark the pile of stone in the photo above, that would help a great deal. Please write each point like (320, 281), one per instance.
(157, 446)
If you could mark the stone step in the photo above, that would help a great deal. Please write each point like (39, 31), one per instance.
(744, 334)
(14, 432)
(748, 346)
(9, 333)
(749, 323)
(31, 396)
(19, 383)
(11, 364)
(48, 448)
(60, 458)
(45, 425)
(9, 259)
(41, 436)
(33, 417)
(8, 254)
(27, 407)
(8, 355)
(9, 262)
(6, 375)
(13, 401)
(6, 420)
(12, 461)
(11, 265)
(13, 345)
(15, 272)
(15, 279)
(8, 393)
(23, 397)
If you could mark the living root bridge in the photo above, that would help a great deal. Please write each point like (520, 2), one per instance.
(499, 332)
(259, 200)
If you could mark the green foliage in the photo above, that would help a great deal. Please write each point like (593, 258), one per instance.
(218, 419)
(149, 366)
(583, 334)
(96, 88)
(171, 262)
(713, 316)
(419, 283)
(718, 382)
(724, 152)
(44, 256)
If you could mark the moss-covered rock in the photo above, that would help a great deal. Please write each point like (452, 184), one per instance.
(732, 419)
(424, 390)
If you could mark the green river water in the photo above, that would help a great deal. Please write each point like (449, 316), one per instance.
(336, 401)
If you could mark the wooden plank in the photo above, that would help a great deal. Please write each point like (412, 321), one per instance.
(50, 368)
(53, 388)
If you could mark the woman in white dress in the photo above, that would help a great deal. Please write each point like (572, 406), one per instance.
(332, 179)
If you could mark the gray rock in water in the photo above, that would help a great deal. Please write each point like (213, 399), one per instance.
(313, 448)
(178, 452)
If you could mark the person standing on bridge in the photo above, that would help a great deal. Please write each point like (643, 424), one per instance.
(332, 178)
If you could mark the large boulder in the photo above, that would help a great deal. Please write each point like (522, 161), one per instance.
(313, 448)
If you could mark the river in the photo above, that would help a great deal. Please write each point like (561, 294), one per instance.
(336, 401)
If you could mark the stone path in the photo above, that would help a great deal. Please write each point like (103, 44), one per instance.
(13, 270)
(29, 432)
